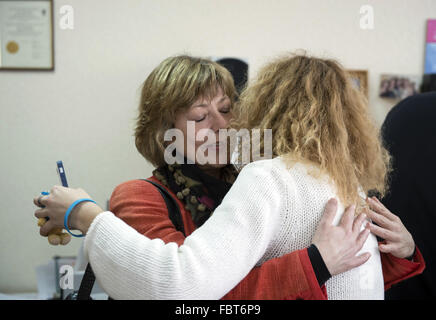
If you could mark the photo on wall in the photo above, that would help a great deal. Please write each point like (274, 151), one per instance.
(399, 86)
(360, 80)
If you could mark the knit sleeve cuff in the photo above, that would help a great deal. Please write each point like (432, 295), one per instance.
(321, 272)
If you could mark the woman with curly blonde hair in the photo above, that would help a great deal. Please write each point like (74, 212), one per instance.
(317, 117)
(324, 146)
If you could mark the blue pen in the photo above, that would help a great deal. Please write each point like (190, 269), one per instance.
(62, 175)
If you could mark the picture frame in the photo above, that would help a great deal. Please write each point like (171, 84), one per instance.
(360, 79)
(26, 35)
(399, 86)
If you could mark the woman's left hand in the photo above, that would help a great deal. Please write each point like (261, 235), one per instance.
(398, 241)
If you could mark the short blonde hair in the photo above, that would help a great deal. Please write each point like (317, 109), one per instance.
(173, 86)
(317, 116)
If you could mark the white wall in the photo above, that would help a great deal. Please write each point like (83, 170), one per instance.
(83, 112)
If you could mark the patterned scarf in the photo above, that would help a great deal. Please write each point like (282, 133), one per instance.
(200, 192)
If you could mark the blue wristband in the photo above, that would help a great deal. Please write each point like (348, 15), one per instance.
(73, 205)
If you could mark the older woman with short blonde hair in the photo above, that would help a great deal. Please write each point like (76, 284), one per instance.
(171, 89)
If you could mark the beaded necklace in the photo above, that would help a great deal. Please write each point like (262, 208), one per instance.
(200, 192)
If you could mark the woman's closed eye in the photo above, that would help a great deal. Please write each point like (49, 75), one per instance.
(224, 111)
(227, 110)
(201, 119)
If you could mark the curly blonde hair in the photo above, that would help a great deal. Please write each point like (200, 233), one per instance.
(317, 116)
(173, 86)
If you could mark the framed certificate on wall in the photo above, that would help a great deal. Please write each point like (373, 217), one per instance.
(26, 35)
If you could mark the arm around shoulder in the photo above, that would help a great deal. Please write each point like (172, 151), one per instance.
(211, 261)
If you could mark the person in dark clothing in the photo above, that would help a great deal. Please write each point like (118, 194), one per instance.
(409, 133)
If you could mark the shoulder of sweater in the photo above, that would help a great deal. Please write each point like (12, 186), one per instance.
(270, 172)
(267, 165)
(276, 167)
(280, 171)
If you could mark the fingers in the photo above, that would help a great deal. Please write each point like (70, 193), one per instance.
(40, 201)
(46, 228)
(357, 225)
(65, 239)
(387, 248)
(36, 203)
(378, 207)
(362, 237)
(59, 239)
(56, 188)
(379, 219)
(360, 259)
(329, 212)
(41, 213)
(348, 217)
(382, 232)
(54, 239)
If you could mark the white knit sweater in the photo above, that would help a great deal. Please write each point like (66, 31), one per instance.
(269, 211)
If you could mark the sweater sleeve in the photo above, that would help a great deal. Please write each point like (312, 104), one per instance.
(211, 261)
(141, 206)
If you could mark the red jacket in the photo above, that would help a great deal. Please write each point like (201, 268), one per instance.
(291, 276)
